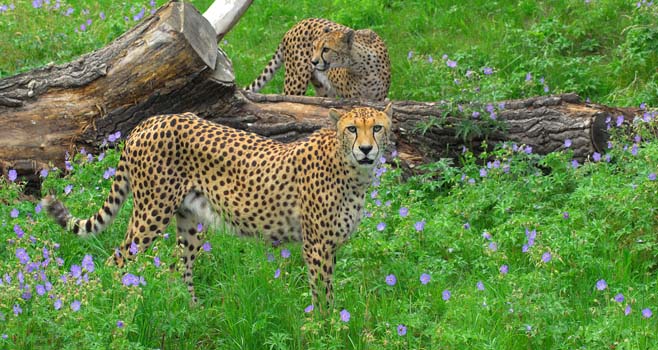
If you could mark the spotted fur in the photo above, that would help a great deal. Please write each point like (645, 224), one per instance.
(194, 170)
(337, 60)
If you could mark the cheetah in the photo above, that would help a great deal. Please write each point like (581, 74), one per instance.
(337, 60)
(184, 167)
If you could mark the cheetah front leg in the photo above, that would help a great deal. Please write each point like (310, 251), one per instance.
(187, 235)
(320, 257)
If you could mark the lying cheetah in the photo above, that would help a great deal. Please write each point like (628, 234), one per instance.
(337, 60)
(186, 167)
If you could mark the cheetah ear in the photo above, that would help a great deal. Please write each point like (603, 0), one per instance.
(335, 115)
(389, 111)
(348, 37)
(327, 29)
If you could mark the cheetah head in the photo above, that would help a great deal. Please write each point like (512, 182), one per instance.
(332, 50)
(363, 134)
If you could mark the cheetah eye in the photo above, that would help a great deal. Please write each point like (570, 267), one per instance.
(377, 128)
(325, 49)
(352, 129)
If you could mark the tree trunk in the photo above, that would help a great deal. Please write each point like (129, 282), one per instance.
(425, 132)
(170, 63)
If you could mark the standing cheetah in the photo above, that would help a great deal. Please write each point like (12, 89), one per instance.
(186, 167)
(337, 60)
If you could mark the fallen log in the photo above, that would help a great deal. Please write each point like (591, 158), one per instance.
(170, 63)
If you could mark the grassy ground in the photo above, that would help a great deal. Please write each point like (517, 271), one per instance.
(522, 252)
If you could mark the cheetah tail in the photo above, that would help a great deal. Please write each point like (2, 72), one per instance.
(268, 71)
(97, 222)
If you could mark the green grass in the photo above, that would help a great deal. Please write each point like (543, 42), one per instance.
(598, 221)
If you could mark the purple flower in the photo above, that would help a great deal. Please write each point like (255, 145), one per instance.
(206, 247)
(344, 315)
(120, 324)
(381, 226)
(199, 227)
(646, 313)
(134, 248)
(487, 70)
(652, 177)
(476, 115)
(37, 208)
(480, 285)
(619, 298)
(88, 263)
(493, 246)
(89, 22)
(37, 3)
(14, 213)
(601, 284)
(19, 231)
(102, 15)
(130, 280)
(309, 308)
(445, 295)
(467, 226)
(285, 253)
(596, 156)
(430, 59)
(156, 261)
(546, 257)
(575, 164)
(425, 278)
(410, 54)
(483, 172)
(451, 63)
(402, 330)
(627, 310)
(139, 15)
(620, 120)
(11, 175)
(634, 149)
(567, 143)
(75, 305)
(22, 256)
(41, 290)
(57, 304)
(404, 211)
(528, 76)
(76, 271)
(109, 173)
(270, 257)
(504, 269)
(528, 149)
(486, 235)
(391, 280)
(277, 273)
(419, 225)
(565, 215)
(17, 310)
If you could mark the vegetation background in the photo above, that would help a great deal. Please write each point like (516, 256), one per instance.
(510, 250)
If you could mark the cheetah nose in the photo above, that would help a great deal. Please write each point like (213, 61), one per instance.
(315, 62)
(365, 149)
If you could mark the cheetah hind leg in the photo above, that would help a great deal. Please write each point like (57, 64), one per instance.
(188, 240)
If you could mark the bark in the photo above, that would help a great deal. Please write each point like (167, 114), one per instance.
(170, 63)
(425, 131)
